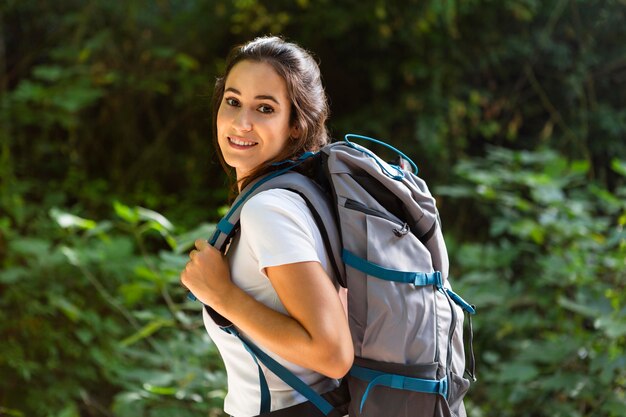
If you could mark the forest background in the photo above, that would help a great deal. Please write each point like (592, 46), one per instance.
(514, 111)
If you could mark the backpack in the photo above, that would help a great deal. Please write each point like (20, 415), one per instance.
(383, 235)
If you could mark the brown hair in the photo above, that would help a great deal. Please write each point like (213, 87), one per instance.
(309, 106)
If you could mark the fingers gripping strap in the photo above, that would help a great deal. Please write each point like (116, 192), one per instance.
(283, 373)
(416, 278)
(375, 378)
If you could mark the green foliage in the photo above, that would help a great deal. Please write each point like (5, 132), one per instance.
(549, 283)
(93, 319)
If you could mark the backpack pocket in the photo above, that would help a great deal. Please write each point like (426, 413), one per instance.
(400, 318)
(371, 395)
(399, 390)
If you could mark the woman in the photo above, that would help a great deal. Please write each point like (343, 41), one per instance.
(274, 283)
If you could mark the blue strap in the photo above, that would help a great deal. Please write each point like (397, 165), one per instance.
(266, 399)
(461, 302)
(225, 226)
(386, 145)
(224, 222)
(283, 373)
(420, 279)
(427, 386)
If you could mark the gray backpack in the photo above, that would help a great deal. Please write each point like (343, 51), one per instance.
(380, 224)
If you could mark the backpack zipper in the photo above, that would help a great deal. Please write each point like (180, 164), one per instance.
(355, 205)
(400, 231)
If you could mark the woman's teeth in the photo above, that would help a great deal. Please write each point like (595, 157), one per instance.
(240, 142)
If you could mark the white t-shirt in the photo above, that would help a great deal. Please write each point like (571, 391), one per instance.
(277, 228)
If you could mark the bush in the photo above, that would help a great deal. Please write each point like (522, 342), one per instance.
(94, 320)
(548, 280)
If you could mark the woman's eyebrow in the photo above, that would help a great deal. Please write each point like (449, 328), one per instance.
(259, 97)
(267, 97)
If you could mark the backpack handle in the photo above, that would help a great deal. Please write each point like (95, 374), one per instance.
(386, 145)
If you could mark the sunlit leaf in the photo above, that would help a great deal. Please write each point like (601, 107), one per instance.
(71, 255)
(160, 390)
(612, 326)
(147, 214)
(146, 331)
(126, 213)
(619, 166)
(68, 220)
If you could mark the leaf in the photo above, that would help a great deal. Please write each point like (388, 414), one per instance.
(126, 213)
(147, 214)
(619, 166)
(49, 72)
(143, 271)
(173, 260)
(69, 411)
(71, 255)
(160, 390)
(146, 331)
(10, 412)
(73, 98)
(518, 372)
(134, 292)
(186, 241)
(68, 220)
(30, 91)
(67, 308)
(186, 62)
(614, 327)
(30, 246)
(548, 194)
(14, 274)
(582, 309)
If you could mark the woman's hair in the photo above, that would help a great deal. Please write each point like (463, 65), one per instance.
(309, 106)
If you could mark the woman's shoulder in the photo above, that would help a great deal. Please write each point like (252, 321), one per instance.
(278, 220)
(275, 199)
(277, 206)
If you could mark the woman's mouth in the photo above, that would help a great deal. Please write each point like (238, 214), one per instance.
(240, 142)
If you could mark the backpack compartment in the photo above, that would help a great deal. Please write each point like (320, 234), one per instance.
(401, 313)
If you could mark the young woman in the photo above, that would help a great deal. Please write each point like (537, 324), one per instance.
(274, 283)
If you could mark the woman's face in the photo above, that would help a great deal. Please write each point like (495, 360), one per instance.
(253, 117)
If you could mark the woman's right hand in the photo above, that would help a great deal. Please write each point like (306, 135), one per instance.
(207, 275)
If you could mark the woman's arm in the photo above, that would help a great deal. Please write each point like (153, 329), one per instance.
(315, 335)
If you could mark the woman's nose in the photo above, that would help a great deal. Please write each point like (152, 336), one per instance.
(242, 121)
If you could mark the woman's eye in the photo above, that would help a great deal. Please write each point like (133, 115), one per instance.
(232, 102)
(264, 108)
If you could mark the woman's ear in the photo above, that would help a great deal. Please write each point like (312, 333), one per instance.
(295, 132)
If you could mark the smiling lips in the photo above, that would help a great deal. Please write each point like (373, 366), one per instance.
(240, 142)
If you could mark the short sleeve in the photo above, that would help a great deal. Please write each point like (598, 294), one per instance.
(279, 228)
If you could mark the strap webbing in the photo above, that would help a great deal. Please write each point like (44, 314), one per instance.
(225, 226)
(266, 399)
(283, 373)
(461, 302)
(427, 386)
(416, 278)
